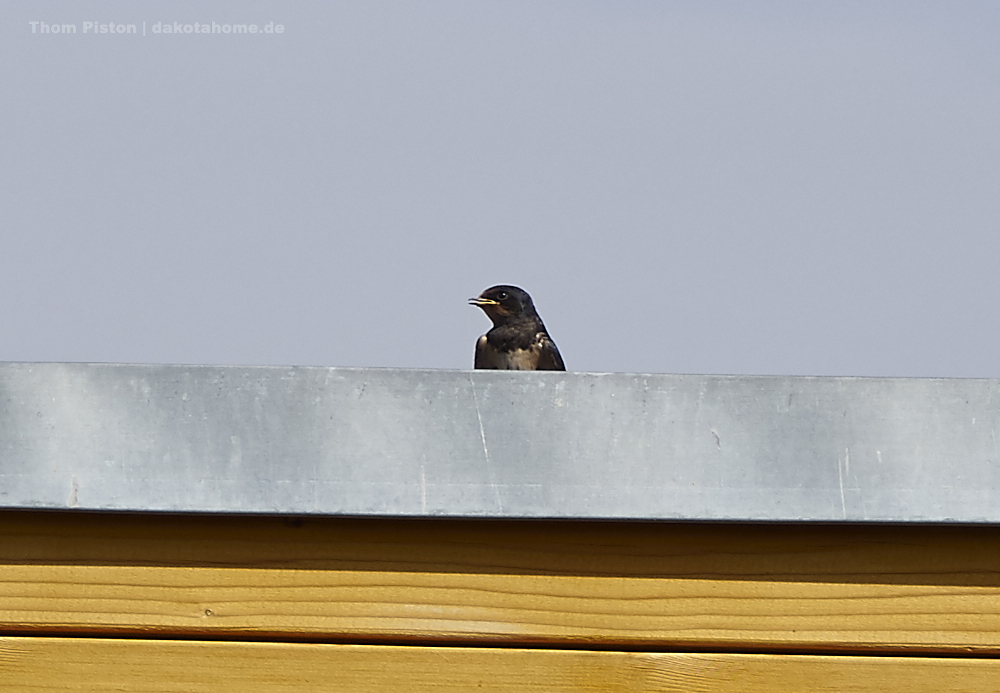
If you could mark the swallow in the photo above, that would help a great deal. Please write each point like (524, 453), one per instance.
(518, 340)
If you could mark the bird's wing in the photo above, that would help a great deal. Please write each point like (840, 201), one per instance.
(484, 355)
(549, 358)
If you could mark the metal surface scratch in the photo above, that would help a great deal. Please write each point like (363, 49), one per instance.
(423, 490)
(73, 501)
(840, 478)
(486, 449)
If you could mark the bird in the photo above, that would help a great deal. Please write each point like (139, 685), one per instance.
(518, 340)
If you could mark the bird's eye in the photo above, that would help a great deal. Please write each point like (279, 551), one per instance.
(502, 295)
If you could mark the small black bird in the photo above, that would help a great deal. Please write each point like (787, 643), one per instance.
(518, 340)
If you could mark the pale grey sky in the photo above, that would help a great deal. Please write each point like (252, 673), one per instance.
(684, 187)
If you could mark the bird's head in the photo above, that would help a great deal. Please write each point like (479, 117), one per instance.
(502, 303)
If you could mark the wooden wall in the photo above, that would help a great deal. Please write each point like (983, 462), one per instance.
(96, 602)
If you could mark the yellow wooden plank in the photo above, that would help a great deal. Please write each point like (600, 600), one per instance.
(830, 588)
(358, 604)
(150, 666)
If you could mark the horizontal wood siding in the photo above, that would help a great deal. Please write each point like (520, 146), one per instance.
(780, 588)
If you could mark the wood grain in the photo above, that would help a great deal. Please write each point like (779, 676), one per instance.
(149, 666)
(779, 588)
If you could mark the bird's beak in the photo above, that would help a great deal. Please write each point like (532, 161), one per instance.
(480, 301)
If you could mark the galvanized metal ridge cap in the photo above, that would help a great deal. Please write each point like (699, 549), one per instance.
(464, 443)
